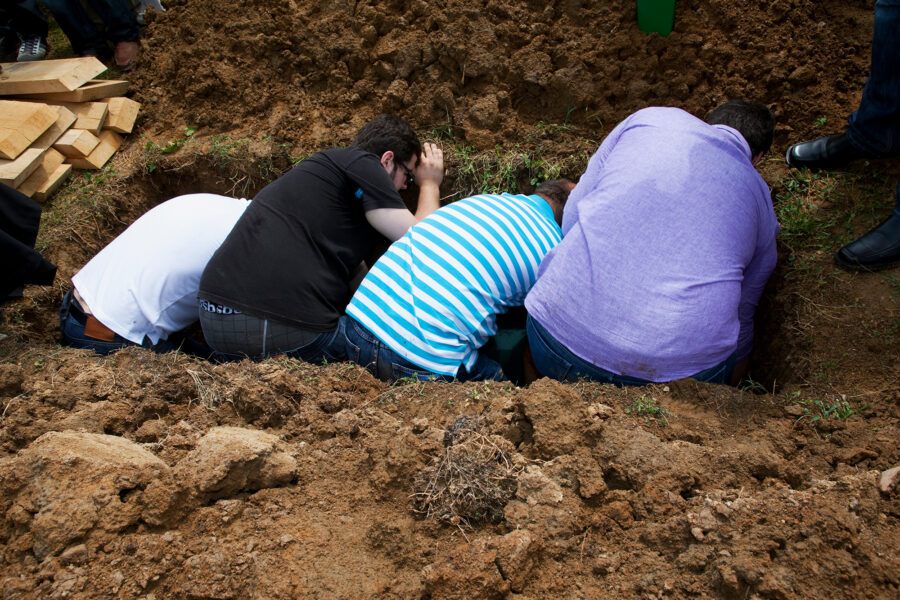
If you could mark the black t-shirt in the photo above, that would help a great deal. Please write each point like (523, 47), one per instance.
(293, 251)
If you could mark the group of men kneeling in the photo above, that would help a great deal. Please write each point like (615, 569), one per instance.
(649, 269)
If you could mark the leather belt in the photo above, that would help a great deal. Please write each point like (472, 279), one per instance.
(92, 327)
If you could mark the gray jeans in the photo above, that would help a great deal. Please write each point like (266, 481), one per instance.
(235, 335)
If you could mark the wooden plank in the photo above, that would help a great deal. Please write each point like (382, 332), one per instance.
(21, 123)
(65, 119)
(48, 76)
(76, 143)
(109, 143)
(56, 179)
(47, 166)
(90, 115)
(14, 172)
(96, 89)
(123, 113)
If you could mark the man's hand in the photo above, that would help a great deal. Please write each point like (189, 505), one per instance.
(431, 165)
(393, 222)
(429, 173)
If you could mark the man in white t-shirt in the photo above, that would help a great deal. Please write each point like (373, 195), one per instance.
(141, 289)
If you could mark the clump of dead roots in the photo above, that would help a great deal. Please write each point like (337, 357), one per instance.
(471, 481)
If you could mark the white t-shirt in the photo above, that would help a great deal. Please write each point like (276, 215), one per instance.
(145, 282)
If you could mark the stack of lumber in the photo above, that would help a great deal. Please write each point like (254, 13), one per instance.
(54, 116)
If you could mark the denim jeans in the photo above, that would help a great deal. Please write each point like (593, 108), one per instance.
(72, 321)
(365, 349)
(117, 16)
(875, 125)
(554, 360)
(235, 336)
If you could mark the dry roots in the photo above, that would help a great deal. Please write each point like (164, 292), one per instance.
(471, 481)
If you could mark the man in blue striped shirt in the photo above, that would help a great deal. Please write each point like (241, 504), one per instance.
(431, 301)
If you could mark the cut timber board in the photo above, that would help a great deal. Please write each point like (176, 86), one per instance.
(76, 143)
(14, 172)
(48, 175)
(109, 143)
(47, 76)
(56, 179)
(123, 113)
(20, 124)
(90, 115)
(96, 89)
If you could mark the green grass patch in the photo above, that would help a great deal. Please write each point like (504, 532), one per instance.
(647, 407)
(817, 409)
(515, 169)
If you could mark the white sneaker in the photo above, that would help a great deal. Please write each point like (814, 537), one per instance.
(33, 47)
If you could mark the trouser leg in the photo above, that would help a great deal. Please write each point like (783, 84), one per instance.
(24, 18)
(117, 15)
(875, 125)
(78, 27)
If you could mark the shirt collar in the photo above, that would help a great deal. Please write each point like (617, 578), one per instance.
(736, 138)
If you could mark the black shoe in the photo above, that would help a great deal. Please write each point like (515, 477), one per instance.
(878, 249)
(829, 152)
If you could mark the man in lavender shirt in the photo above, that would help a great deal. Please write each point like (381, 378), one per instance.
(669, 239)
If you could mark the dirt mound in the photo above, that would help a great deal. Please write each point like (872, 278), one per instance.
(311, 73)
(148, 476)
(605, 501)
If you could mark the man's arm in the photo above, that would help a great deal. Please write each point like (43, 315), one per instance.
(392, 223)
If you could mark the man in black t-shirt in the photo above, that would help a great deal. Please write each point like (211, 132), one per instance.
(282, 278)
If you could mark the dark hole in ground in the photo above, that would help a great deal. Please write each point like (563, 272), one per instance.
(777, 357)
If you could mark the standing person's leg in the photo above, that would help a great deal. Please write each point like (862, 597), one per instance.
(877, 249)
(122, 29)
(84, 36)
(26, 18)
(875, 125)
(874, 129)
(28, 22)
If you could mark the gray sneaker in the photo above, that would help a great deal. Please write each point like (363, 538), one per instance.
(33, 47)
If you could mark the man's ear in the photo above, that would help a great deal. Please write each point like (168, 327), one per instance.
(387, 160)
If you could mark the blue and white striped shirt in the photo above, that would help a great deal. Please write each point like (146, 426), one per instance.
(434, 296)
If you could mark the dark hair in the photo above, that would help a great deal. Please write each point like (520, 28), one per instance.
(556, 191)
(754, 120)
(389, 132)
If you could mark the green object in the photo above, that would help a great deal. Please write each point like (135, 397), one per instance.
(507, 347)
(656, 16)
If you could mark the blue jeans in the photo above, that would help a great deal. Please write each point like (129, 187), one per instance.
(72, 321)
(554, 360)
(875, 125)
(367, 350)
(117, 16)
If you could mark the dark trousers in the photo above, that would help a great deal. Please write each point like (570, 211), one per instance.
(117, 16)
(22, 17)
(875, 125)
(20, 217)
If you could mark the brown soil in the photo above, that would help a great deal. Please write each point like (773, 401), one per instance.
(144, 476)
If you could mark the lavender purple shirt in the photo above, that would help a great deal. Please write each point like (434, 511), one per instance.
(669, 239)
